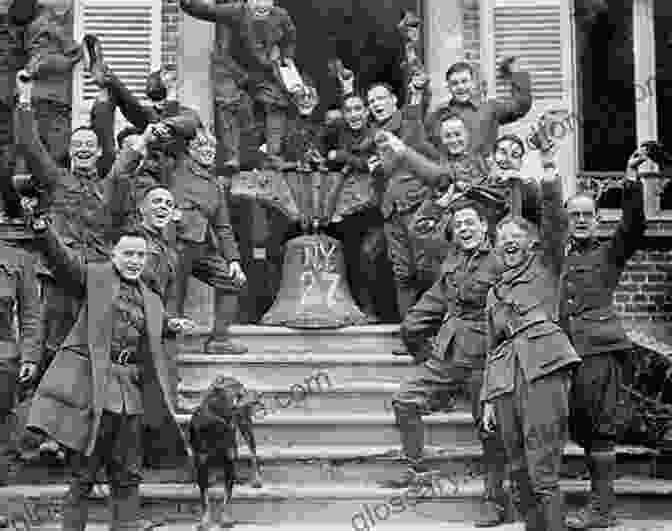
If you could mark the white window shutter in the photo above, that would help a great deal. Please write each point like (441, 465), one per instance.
(130, 34)
(539, 34)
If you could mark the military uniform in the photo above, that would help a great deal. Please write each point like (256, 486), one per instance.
(361, 231)
(19, 303)
(249, 67)
(455, 308)
(590, 275)
(79, 208)
(109, 376)
(12, 59)
(404, 192)
(527, 373)
(483, 119)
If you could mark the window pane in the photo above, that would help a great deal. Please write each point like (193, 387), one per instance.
(663, 81)
(606, 87)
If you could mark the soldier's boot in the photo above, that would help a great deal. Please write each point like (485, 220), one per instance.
(229, 141)
(496, 506)
(125, 504)
(599, 511)
(226, 310)
(412, 435)
(276, 129)
(525, 502)
(76, 506)
(93, 60)
(552, 512)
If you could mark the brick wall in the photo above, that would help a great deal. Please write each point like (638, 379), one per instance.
(170, 16)
(645, 291)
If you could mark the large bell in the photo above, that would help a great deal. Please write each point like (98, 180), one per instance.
(314, 292)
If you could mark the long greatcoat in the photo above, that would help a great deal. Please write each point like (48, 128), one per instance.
(69, 401)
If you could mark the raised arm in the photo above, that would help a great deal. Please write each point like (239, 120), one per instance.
(102, 121)
(48, 174)
(221, 14)
(68, 267)
(508, 110)
(29, 311)
(628, 235)
(553, 229)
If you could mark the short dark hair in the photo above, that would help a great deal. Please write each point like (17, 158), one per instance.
(451, 115)
(383, 84)
(347, 97)
(85, 128)
(129, 232)
(126, 132)
(460, 66)
(151, 188)
(470, 204)
(525, 224)
(509, 138)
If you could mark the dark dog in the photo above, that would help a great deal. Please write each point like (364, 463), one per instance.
(226, 409)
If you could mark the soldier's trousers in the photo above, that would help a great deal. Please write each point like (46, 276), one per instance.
(533, 421)
(598, 402)
(413, 275)
(9, 371)
(118, 450)
(433, 387)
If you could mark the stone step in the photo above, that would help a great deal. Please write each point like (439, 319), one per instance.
(310, 397)
(354, 340)
(359, 505)
(314, 464)
(287, 428)
(421, 524)
(287, 370)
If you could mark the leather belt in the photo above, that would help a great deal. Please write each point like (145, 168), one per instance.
(124, 357)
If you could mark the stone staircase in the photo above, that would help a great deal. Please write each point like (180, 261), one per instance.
(325, 448)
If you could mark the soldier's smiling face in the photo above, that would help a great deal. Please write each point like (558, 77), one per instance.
(509, 154)
(454, 136)
(203, 148)
(514, 244)
(355, 113)
(129, 256)
(469, 229)
(382, 103)
(84, 149)
(158, 208)
(461, 85)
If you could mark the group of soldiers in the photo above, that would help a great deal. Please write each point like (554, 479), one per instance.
(503, 290)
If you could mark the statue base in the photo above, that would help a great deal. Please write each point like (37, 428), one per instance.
(314, 292)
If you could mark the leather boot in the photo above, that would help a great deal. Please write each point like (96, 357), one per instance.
(599, 511)
(125, 502)
(228, 147)
(495, 509)
(524, 500)
(552, 510)
(226, 310)
(76, 507)
(412, 435)
(276, 129)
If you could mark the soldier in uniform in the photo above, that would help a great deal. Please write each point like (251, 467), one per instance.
(206, 245)
(404, 193)
(528, 368)
(590, 275)
(482, 118)
(266, 37)
(109, 377)
(454, 307)
(77, 199)
(20, 333)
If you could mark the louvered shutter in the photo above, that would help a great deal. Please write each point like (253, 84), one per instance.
(539, 34)
(130, 33)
